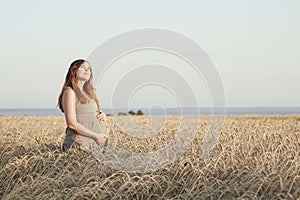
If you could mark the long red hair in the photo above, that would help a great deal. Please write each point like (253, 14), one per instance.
(70, 81)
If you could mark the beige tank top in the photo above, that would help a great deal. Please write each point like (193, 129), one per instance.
(86, 114)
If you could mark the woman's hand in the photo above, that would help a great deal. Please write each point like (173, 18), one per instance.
(101, 116)
(101, 139)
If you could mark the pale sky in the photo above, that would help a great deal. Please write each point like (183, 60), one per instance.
(254, 45)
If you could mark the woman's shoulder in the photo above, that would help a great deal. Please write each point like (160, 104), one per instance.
(69, 89)
(69, 92)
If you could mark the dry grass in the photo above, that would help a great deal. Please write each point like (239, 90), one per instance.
(257, 157)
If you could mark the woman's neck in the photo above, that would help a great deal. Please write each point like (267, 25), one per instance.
(80, 84)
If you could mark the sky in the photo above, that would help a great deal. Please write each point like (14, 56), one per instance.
(254, 46)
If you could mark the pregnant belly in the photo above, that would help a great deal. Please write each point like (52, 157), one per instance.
(91, 122)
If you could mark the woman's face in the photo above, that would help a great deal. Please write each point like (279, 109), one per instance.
(84, 72)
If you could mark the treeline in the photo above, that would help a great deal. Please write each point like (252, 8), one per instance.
(131, 112)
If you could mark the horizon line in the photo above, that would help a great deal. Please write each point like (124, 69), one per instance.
(136, 108)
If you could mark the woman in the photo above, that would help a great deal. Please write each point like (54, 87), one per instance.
(86, 122)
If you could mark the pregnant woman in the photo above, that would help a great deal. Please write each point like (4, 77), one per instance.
(86, 122)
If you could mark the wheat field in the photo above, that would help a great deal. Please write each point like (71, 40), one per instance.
(256, 157)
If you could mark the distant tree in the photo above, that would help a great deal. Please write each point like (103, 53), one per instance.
(121, 113)
(140, 112)
(109, 114)
(131, 112)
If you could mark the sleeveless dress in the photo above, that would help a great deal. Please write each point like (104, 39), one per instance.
(86, 115)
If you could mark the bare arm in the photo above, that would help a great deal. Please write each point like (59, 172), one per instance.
(68, 101)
